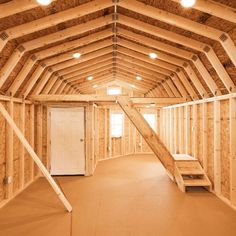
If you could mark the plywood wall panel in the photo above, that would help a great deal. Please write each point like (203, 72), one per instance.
(209, 131)
(16, 149)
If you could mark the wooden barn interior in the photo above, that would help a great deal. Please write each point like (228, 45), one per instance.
(117, 117)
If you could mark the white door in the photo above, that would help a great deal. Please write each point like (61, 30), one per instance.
(67, 141)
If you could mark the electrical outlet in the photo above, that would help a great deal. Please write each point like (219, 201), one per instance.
(7, 180)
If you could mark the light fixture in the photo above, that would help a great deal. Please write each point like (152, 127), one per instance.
(44, 2)
(153, 55)
(147, 106)
(133, 86)
(90, 78)
(187, 3)
(152, 105)
(138, 77)
(77, 55)
(94, 86)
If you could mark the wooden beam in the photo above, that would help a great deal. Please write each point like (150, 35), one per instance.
(87, 57)
(21, 76)
(85, 64)
(55, 19)
(99, 98)
(179, 85)
(138, 68)
(183, 23)
(31, 81)
(61, 88)
(68, 46)
(82, 77)
(217, 151)
(31, 141)
(58, 60)
(13, 7)
(43, 81)
(169, 59)
(49, 84)
(212, 99)
(9, 151)
(168, 90)
(232, 111)
(204, 136)
(22, 149)
(216, 9)
(174, 51)
(87, 69)
(173, 88)
(30, 150)
(139, 62)
(183, 40)
(55, 86)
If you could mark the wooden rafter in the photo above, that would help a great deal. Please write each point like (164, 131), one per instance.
(183, 23)
(13, 7)
(215, 9)
(54, 19)
(183, 40)
(177, 52)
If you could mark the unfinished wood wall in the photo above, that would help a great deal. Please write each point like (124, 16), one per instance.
(130, 143)
(207, 131)
(15, 161)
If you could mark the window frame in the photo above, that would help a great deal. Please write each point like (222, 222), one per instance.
(114, 87)
(122, 124)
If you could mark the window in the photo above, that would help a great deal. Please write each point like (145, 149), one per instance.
(117, 120)
(151, 120)
(113, 90)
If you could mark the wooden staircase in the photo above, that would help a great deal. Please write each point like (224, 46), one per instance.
(148, 134)
(184, 169)
(189, 173)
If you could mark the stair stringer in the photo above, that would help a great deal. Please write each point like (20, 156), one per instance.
(152, 139)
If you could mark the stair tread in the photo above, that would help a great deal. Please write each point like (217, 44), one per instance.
(196, 182)
(191, 172)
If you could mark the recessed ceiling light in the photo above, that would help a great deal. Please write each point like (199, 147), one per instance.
(44, 2)
(77, 55)
(138, 77)
(133, 86)
(147, 106)
(187, 3)
(94, 86)
(153, 55)
(90, 78)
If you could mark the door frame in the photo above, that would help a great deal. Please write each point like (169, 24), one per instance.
(50, 107)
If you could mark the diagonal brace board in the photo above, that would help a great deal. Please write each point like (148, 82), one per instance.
(32, 153)
(148, 134)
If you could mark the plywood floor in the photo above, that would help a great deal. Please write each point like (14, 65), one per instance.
(129, 196)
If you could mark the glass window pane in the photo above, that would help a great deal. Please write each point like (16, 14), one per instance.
(151, 120)
(116, 124)
(114, 91)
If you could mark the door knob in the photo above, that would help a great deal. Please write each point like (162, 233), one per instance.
(81, 140)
